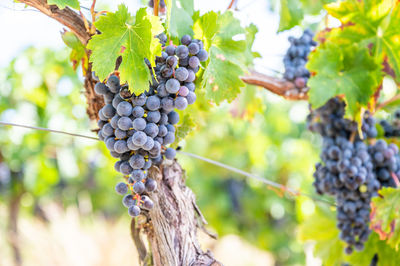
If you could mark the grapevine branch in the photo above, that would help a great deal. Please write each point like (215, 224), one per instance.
(231, 4)
(275, 85)
(76, 24)
(66, 16)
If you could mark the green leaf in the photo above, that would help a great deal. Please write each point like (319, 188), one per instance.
(78, 53)
(179, 17)
(346, 70)
(386, 216)
(185, 126)
(138, 40)
(372, 23)
(227, 57)
(251, 32)
(61, 4)
(314, 7)
(321, 227)
(140, 44)
(291, 14)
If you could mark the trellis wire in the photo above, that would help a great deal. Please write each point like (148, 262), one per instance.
(48, 130)
(216, 163)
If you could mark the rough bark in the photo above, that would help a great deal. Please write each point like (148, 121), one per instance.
(13, 211)
(173, 222)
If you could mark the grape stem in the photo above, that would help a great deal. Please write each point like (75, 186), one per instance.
(231, 4)
(155, 7)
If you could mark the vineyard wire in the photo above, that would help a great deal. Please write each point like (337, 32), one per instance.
(280, 187)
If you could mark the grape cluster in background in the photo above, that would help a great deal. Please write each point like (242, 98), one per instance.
(392, 129)
(138, 128)
(351, 169)
(295, 60)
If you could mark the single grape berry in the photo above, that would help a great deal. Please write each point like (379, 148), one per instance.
(138, 187)
(194, 62)
(172, 86)
(124, 108)
(139, 138)
(186, 39)
(181, 74)
(124, 123)
(170, 153)
(150, 185)
(170, 50)
(182, 51)
(121, 188)
(193, 48)
(134, 211)
(128, 201)
(180, 103)
(101, 88)
(202, 55)
(113, 83)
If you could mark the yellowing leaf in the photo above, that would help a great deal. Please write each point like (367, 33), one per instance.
(291, 14)
(386, 216)
(78, 54)
(371, 23)
(346, 70)
(179, 17)
(228, 58)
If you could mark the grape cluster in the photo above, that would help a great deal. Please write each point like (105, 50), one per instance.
(137, 128)
(295, 60)
(392, 129)
(346, 171)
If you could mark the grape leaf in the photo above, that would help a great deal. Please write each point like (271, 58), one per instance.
(313, 7)
(291, 14)
(120, 30)
(78, 53)
(251, 32)
(227, 57)
(372, 23)
(321, 227)
(179, 17)
(185, 126)
(346, 70)
(61, 4)
(386, 216)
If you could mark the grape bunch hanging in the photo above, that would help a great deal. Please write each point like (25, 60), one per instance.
(138, 128)
(351, 169)
(295, 60)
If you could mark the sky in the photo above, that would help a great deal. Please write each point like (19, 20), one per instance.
(25, 27)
